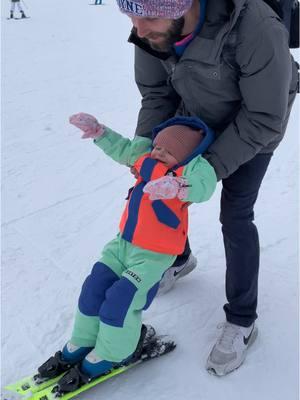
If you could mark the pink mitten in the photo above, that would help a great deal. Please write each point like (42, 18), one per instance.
(88, 124)
(167, 187)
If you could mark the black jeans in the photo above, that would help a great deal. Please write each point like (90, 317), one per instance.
(239, 194)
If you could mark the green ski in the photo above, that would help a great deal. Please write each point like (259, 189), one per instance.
(48, 394)
(29, 385)
(34, 387)
(159, 346)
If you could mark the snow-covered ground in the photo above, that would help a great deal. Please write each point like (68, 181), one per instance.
(61, 203)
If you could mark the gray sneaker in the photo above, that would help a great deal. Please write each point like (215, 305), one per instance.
(173, 273)
(230, 350)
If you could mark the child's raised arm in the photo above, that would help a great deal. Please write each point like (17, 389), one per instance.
(88, 124)
(122, 150)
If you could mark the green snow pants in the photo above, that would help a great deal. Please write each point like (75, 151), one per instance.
(121, 285)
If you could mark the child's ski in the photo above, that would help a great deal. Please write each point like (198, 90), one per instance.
(159, 346)
(34, 383)
(31, 385)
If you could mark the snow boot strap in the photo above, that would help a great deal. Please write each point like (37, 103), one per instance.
(72, 380)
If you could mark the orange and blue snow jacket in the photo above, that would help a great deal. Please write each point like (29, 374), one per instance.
(160, 225)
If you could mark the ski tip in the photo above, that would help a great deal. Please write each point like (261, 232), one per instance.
(12, 387)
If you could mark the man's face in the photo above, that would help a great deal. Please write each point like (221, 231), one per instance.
(161, 34)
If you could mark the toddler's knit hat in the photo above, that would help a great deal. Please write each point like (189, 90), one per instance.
(179, 140)
(168, 9)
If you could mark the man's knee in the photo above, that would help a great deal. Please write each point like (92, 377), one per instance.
(236, 220)
(237, 210)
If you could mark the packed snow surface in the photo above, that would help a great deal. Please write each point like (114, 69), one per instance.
(62, 199)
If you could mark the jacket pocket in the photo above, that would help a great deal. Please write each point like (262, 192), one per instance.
(165, 215)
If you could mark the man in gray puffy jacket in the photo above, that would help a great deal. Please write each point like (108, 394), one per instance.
(228, 63)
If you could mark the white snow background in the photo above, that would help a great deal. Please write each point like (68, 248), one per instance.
(62, 199)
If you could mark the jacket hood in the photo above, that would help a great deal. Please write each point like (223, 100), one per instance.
(192, 122)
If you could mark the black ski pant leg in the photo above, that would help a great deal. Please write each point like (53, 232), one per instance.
(241, 242)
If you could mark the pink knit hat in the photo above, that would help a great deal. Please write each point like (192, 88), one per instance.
(169, 9)
(179, 140)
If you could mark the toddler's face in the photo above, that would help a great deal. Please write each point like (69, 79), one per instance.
(161, 154)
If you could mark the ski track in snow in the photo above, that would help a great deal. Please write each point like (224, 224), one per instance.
(62, 200)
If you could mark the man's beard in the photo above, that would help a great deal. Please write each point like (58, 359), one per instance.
(171, 36)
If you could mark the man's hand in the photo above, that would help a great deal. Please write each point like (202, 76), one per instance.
(88, 124)
(167, 187)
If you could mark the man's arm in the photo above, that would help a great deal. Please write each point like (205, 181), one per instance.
(159, 100)
(266, 73)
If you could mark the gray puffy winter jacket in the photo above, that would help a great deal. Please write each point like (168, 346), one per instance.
(237, 75)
